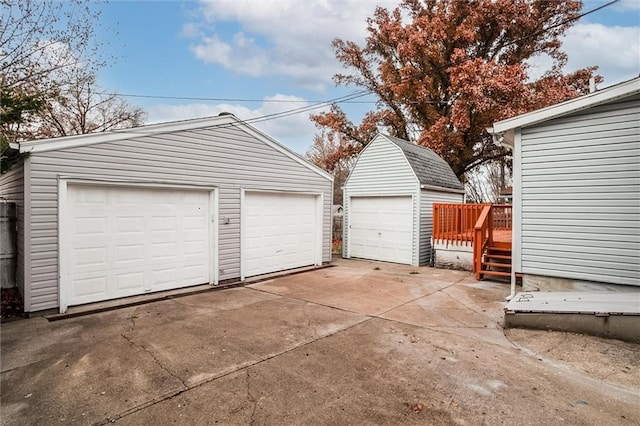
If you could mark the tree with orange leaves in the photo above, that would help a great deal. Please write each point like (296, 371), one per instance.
(445, 70)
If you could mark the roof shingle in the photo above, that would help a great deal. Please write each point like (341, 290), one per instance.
(428, 166)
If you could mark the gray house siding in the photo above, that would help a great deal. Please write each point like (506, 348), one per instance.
(12, 189)
(381, 169)
(225, 157)
(580, 202)
(427, 198)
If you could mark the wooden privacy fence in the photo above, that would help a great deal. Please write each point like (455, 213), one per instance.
(336, 233)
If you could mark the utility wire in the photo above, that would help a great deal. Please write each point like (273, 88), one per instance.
(350, 97)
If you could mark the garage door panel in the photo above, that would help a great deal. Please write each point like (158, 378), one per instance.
(125, 241)
(279, 231)
(381, 228)
(89, 289)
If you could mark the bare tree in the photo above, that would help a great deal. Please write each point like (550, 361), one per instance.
(485, 183)
(326, 153)
(49, 62)
(41, 38)
(83, 107)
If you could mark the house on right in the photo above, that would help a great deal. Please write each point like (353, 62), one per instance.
(576, 198)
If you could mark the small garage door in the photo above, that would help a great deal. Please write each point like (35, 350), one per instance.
(381, 228)
(279, 231)
(124, 241)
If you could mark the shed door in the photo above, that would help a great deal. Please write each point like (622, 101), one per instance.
(124, 241)
(280, 231)
(381, 228)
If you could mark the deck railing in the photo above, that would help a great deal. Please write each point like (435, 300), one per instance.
(454, 222)
(473, 224)
(483, 236)
(502, 216)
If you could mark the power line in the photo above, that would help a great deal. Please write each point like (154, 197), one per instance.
(243, 100)
(346, 98)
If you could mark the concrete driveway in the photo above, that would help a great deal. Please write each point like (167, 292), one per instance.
(358, 343)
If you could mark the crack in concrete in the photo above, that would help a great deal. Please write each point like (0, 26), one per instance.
(309, 323)
(132, 327)
(252, 399)
(129, 338)
(185, 388)
(172, 394)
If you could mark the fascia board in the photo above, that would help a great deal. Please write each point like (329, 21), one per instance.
(44, 145)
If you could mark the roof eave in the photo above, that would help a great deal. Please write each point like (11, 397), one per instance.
(42, 145)
(442, 189)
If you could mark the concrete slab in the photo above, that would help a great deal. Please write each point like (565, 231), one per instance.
(360, 343)
(380, 372)
(577, 302)
(606, 314)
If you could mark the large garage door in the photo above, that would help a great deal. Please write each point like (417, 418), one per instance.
(124, 241)
(279, 231)
(381, 228)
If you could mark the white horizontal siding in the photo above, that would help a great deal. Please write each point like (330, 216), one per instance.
(222, 157)
(12, 189)
(381, 169)
(427, 198)
(581, 195)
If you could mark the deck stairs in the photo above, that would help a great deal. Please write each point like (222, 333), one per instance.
(496, 262)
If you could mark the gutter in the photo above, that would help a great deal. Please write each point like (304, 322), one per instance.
(441, 189)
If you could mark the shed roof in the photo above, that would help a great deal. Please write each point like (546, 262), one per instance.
(430, 169)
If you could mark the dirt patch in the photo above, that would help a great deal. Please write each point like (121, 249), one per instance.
(606, 359)
(11, 306)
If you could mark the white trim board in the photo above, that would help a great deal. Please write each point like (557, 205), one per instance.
(67, 142)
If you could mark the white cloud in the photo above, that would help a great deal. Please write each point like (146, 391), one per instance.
(614, 49)
(295, 131)
(626, 5)
(284, 37)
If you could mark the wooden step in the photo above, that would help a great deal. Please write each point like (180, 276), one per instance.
(499, 249)
(497, 265)
(496, 273)
(498, 256)
(502, 245)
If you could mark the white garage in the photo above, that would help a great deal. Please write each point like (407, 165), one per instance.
(118, 241)
(280, 231)
(381, 228)
(388, 201)
(135, 211)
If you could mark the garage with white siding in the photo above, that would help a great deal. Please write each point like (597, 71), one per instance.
(576, 194)
(388, 199)
(159, 207)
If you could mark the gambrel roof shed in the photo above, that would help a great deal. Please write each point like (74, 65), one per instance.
(388, 201)
(430, 169)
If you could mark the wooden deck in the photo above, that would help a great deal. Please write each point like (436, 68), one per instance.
(487, 227)
(502, 236)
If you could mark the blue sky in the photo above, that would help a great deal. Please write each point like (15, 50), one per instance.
(279, 54)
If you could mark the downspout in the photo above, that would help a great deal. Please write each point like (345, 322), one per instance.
(500, 139)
